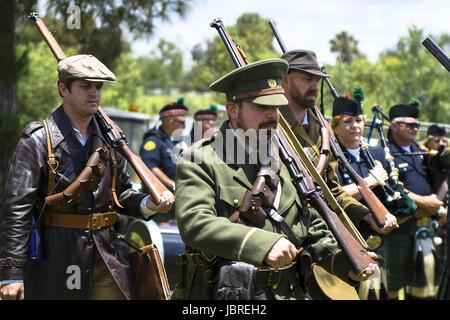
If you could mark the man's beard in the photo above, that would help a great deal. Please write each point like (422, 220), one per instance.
(302, 100)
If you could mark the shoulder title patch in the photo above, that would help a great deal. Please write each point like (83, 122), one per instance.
(149, 145)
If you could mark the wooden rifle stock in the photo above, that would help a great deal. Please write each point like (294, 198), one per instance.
(308, 193)
(152, 184)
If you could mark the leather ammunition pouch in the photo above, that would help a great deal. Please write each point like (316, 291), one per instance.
(87, 181)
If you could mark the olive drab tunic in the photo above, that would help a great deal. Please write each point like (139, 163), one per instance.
(210, 188)
(312, 142)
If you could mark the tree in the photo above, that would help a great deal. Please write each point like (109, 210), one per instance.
(251, 32)
(164, 68)
(414, 73)
(346, 46)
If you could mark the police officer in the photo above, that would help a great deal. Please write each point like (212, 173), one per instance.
(301, 87)
(157, 150)
(72, 196)
(204, 124)
(410, 247)
(230, 260)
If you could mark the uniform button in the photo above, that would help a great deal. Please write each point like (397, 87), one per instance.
(236, 202)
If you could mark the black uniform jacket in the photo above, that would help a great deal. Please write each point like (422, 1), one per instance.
(64, 249)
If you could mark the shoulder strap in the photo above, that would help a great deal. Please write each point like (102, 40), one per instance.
(53, 164)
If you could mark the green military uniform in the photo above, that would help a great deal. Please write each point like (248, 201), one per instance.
(210, 188)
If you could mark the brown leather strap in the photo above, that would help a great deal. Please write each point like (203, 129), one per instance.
(52, 162)
(114, 179)
(257, 94)
(93, 221)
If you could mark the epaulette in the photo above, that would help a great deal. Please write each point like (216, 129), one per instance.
(32, 127)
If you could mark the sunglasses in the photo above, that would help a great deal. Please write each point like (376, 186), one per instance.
(437, 140)
(411, 125)
(180, 122)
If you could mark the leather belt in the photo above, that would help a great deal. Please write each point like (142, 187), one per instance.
(93, 221)
(272, 277)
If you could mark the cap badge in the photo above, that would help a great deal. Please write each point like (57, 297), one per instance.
(272, 83)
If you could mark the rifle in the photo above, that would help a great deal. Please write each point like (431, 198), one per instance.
(303, 182)
(437, 52)
(109, 129)
(373, 203)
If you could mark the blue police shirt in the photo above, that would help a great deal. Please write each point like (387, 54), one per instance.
(156, 151)
(411, 169)
(361, 166)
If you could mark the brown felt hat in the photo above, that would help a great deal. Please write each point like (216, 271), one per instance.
(303, 60)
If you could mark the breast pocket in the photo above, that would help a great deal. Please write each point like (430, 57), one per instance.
(230, 199)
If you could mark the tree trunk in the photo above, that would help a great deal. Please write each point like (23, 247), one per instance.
(8, 90)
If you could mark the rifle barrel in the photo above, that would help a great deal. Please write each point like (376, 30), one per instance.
(437, 52)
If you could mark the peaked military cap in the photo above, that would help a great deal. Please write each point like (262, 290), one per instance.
(173, 109)
(404, 110)
(304, 60)
(208, 114)
(258, 82)
(435, 130)
(348, 106)
(86, 67)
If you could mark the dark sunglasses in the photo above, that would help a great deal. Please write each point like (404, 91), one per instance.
(437, 140)
(411, 125)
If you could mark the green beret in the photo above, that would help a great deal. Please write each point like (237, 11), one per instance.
(258, 82)
(86, 67)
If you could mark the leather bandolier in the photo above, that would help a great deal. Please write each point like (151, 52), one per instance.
(59, 205)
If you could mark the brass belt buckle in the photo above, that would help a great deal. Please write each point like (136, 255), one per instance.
(95, 221)
(273, 279)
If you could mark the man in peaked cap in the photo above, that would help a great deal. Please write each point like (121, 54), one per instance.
(159, 142)
(410, 244)
(80, 256)
(235, 257)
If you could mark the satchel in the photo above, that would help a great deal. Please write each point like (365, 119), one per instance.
(148, 274)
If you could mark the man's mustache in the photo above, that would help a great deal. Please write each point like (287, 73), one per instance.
(268, 123)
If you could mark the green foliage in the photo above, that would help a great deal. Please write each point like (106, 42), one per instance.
(164, 68)
(128, 89)
(346, 46)
(37, 84)
(406, 71)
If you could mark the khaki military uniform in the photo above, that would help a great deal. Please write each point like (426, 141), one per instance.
(312, 142)
(210, 188)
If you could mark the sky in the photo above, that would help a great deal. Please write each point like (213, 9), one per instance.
(377, 25)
